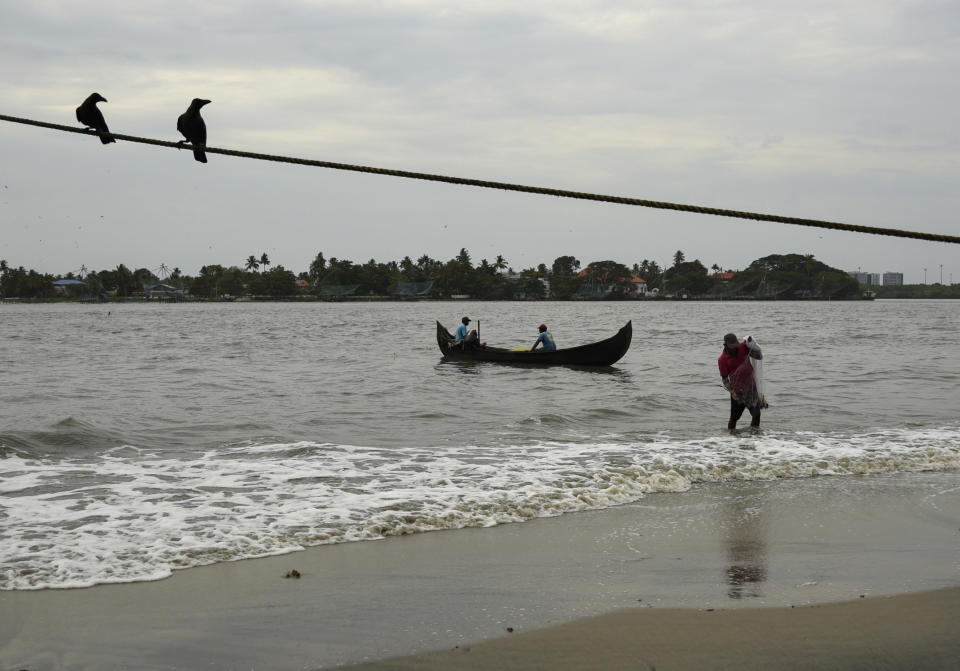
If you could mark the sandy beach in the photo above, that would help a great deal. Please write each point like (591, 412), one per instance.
(916, 631)
(845, 573)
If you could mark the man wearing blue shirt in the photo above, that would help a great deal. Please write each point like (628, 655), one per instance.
(466, 339)
(546, 338)
(461, 333)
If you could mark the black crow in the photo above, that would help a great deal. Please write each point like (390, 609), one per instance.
(191, 125)
(90, 116)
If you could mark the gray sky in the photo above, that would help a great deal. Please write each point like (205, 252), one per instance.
(839, 111)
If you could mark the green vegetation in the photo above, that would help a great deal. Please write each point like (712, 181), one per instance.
(791, 276)
(919, 291)
(21, 282)
(782, 277)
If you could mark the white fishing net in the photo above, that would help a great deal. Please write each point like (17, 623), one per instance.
(759, 379)
(747, 381)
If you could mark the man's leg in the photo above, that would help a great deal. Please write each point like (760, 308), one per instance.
(754, 417)
(736, 410)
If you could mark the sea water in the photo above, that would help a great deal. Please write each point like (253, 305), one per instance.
(136, 439)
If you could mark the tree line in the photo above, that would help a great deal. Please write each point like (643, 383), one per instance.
(775, 276)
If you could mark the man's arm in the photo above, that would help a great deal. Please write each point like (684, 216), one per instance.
(754, 348)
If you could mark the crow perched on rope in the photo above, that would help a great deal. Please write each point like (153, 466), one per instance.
(90, 116)
(191, 126)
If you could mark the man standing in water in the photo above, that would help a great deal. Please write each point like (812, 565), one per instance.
(738, 378)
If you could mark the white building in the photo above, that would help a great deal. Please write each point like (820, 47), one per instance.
(892, 279)
(868, 279)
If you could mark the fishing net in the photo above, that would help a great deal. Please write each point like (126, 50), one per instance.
(759, 379)
(748, 384)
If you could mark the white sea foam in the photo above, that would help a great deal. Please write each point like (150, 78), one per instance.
(126, 515)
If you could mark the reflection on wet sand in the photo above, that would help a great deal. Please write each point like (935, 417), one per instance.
(746, 543)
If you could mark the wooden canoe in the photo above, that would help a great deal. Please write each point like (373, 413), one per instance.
(601, 353)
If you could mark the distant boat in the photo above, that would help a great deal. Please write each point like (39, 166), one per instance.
(602, 353)
(869, 295)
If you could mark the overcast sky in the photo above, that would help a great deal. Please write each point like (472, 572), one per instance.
(844, 111)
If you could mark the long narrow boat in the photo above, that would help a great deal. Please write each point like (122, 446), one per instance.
(602, 353)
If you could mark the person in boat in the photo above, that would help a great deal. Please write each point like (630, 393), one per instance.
(546, 339)
(738, 378)
(465, 338)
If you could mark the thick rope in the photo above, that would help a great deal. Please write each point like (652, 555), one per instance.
(560, 193)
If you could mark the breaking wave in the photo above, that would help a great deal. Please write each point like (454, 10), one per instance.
(127, 514)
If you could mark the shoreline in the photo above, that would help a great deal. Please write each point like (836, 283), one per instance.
(762, 551)
(311, 298)
(908, 632)
(449, 299)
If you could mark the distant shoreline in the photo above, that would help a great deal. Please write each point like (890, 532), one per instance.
(419, 299)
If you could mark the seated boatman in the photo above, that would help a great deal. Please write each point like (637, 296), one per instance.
(462, 337)
(546, 338)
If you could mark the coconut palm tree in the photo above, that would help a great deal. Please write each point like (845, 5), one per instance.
(252, 263)
(264, 261)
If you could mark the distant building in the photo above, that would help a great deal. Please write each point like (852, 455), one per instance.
(62, 285)
(638, 286)
(892, 279)
(868, 279)
(162, 291)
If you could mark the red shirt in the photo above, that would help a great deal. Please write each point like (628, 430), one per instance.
(740, 378)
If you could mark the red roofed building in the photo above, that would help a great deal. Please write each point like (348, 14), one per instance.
(638, 286)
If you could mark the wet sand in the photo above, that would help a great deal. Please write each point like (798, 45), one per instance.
(781, 574)
(909, 632)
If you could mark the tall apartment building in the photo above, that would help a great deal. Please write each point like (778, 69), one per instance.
(872, 279)
(892, 279)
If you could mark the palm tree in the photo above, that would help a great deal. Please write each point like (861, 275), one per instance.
(252, 263)
(424, 263)
(500, 263)
(264, 261)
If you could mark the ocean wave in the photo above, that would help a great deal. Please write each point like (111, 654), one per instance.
(66, 437)
(136, 515)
